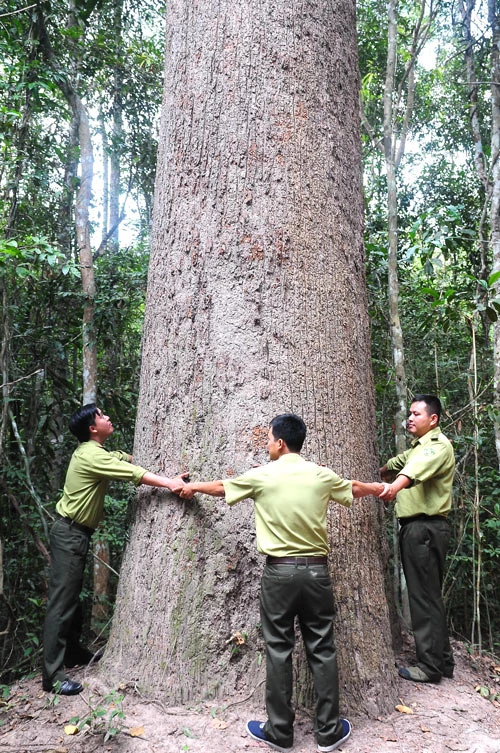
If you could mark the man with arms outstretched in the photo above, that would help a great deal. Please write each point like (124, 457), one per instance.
(291, 497)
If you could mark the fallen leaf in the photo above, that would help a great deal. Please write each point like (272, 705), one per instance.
(483, 691)
(404, 709)
(136, 731)
(238, 638)
(218, 724)
(425, 729)
(70, 729)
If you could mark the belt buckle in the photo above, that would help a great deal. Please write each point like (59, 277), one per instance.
(302, 563)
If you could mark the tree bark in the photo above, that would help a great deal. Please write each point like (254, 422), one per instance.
(256, 305)
(495, 199)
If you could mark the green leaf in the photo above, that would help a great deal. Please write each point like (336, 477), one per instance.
(493, 278)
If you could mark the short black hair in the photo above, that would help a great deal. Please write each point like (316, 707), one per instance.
(81, 421)
(432, 402)
(291, 429)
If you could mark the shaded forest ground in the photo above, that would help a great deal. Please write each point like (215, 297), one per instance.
(451, 716)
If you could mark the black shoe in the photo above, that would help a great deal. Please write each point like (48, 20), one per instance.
(79, 657)
(448, 672)
(66, 687)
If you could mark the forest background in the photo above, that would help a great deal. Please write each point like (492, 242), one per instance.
(80, 93)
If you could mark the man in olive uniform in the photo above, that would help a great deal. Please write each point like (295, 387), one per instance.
(423, 485)
(78, 513)
(291, 497)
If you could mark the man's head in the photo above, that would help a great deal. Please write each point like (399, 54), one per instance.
(286, 434)
(425, 412)
(89, 422)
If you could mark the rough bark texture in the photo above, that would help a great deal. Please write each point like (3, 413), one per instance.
(256, 305)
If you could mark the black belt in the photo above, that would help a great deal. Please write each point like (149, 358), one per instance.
(404, 521)
(78, 526)
(296, 560)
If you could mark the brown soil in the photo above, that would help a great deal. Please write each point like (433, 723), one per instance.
(451, 716)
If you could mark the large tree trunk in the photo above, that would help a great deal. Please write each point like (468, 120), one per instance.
(256, 305)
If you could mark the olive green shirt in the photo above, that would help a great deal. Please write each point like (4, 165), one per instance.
(430, 465)
(291, 498)
(90, 469)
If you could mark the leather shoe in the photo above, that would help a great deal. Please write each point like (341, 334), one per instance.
(67, 687)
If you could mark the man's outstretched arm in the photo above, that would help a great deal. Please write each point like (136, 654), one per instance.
(212, 488)
(366, 489)
(174, 484)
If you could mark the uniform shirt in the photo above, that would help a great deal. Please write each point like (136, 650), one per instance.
(90, 469)
(430, 464)
(291, 498)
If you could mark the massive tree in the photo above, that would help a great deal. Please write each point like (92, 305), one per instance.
(256, 305)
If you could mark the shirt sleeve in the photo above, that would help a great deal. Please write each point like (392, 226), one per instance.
(398, 462)
(426, 462)
(341, 490)
(107, 465)
(241, 487)
(121, 455)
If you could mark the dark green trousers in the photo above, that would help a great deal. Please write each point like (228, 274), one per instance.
(424, 543)
(305, 592)
(63, 618)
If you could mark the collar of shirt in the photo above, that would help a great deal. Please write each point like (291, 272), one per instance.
(427, 437)
(289, 457)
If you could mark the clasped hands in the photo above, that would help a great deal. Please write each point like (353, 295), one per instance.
(180, 487)
(388, 492)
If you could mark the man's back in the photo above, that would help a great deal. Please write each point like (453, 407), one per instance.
(291, 498)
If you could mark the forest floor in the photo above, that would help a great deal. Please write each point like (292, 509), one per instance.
(462, 714)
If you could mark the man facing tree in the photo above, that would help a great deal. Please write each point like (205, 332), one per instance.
(291, 499)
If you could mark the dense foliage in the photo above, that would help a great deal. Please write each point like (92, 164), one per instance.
(447, 290)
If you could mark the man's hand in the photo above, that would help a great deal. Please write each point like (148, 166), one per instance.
(177, 484)
(388, 493)
(385, 474)
(187, 492)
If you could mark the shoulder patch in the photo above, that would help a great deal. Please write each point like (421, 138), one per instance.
(429, 451)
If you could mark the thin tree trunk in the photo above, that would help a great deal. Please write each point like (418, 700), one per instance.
(105, 182)
(495, 198)
(117, 137)
(256, 305)
(82, 206)
(396, 330)
(83, 198)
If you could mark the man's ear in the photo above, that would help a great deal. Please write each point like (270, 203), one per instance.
(434, 419)
(92, 429)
